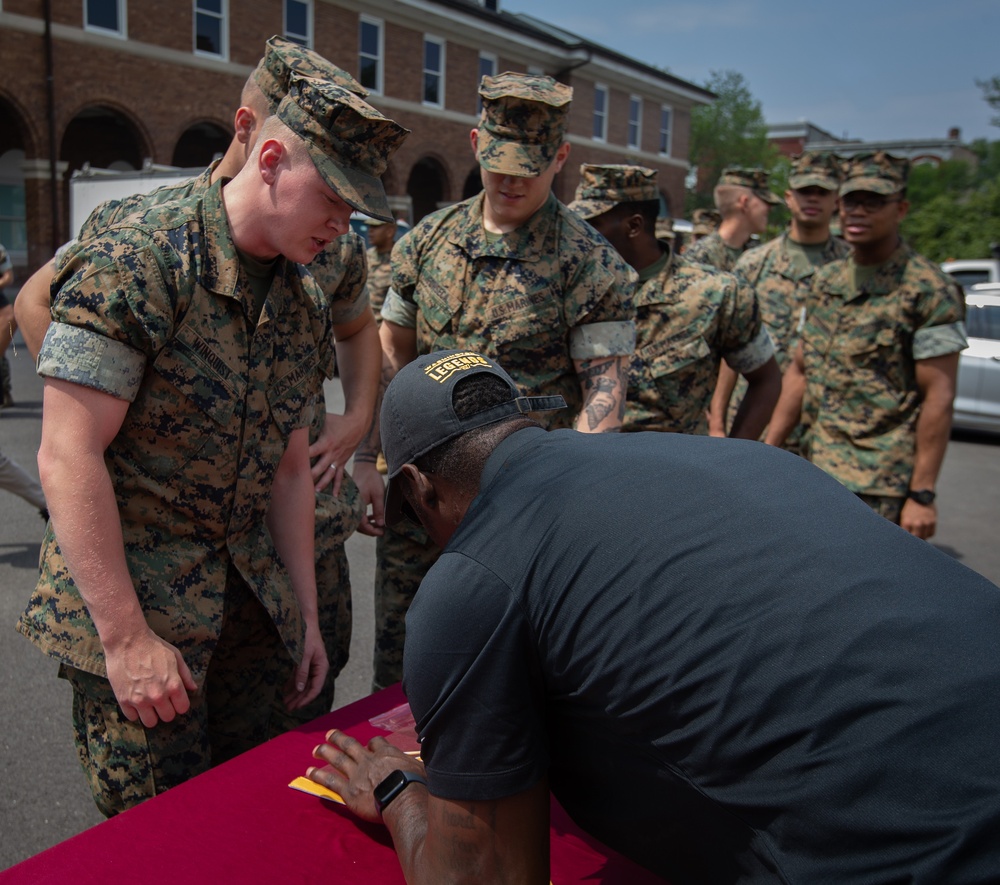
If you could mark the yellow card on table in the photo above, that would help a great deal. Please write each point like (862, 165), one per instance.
(308, 786)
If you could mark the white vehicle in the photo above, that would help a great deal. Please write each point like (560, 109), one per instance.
(977, 400)
(968, 272)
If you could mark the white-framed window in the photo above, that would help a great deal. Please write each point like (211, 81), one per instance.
(487, 68)
(105, 17)
(370, 53)
(211, 28)
(433, 93)
(635, 122)
(600, 112)
(666, 125)
(299, 22)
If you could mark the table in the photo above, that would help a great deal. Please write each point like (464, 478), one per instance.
(240, 822)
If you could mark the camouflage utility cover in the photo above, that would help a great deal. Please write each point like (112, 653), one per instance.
(754, 178)
(688, 318)
(533, 300)
(815, 169)
(348, 140)
(283, 58)
(523, 123)
(862, 401)
(157, 313)
(874, 172)
(601, 188)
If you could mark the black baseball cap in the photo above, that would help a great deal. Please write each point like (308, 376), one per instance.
(418, 411)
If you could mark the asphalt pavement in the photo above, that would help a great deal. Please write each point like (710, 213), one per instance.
(43, 796)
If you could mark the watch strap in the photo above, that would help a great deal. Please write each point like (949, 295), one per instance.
(393, 785)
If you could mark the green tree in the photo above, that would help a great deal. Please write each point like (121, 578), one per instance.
(955, 207)
(991, 95)
(730, 131)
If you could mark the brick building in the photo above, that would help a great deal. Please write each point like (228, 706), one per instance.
(794, 138)
(126, 83)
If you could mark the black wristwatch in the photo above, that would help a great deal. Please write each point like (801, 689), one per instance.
(392, 786)
(922, 496)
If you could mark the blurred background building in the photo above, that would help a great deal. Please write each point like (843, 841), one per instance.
(133, 84)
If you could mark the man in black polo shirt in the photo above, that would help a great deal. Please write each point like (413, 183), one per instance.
(812, 700)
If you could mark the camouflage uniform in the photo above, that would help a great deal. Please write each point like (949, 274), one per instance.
(781, 284)
(688, 317)
(379, 278)
(340, 270)
(523, 300)
(862, 401)
(712, 249)
(159, 312)
(534, 300)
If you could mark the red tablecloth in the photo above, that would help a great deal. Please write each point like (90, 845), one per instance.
(241, 822)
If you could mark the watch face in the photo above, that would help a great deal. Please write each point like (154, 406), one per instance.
(391, 787)
(923, 496)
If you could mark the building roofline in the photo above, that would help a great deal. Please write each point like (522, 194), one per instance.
(577, 50)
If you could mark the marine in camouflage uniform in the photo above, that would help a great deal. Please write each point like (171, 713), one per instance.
(868, 326)
(540, 298)
(341, 271)
(162, 313)
(742, 198)
(688, 317)
(781, 271)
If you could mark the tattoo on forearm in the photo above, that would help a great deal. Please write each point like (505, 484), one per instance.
(601, 402)
(604, 394)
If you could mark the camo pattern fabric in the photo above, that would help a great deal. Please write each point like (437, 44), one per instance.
(753, 178)
(523, 122)
(860, 347)
(126, 763)
(688, 318)
(712, 251)
(518, 299)
(110, 212)
(379, 278)
(403, 555)
(336, 520)
(283, 57)
(781, 285)
(157, 314)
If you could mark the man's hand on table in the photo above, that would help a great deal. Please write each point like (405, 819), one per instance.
(355, 770)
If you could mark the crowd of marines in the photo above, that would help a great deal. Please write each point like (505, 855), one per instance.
(195, 563)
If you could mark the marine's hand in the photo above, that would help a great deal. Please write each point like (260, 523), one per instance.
(919, 519)
(355, 770)
(332, 450)
(150, 679)
(372, 487)
(308, 678)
